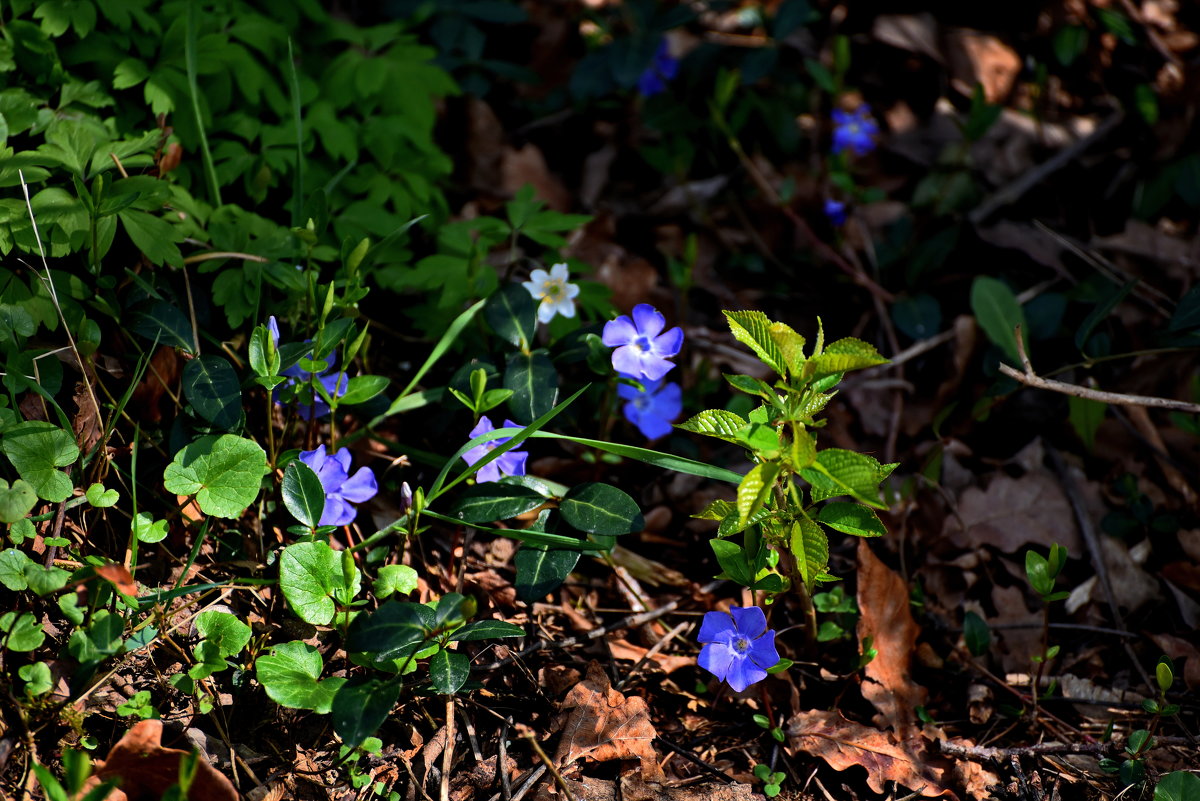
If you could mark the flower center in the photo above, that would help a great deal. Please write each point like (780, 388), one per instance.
(553, 288)
(741, 645)
(642, 343)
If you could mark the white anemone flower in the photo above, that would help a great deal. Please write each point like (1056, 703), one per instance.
(552, 289)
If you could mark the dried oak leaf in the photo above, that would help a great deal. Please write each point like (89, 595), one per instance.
(843, 744)
(601, 724)
(887, 619)
(1014, 513)
(146, 769)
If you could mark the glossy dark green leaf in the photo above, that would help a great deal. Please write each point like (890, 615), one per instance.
(999, 313)
(161, 321)
(448, 671)
(360, 707)
(511, 312)
(488, 502)
(1180, 785)
(534, 384)
(361, 388)
(601, 509)
(542, 570)
(976, 633)
(211, 386)
(303, 494)
(397, 628)
(487, 630)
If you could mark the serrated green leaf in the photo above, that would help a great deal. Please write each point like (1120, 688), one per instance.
(303, 494)
(542, 570)
(448, 671)
(852, 518)
(599, 508)
(488, 502)
(733, 524)
(291, 676)
(716, 510)
(810, 547)
(717, 423)
(360, 706)
(753, 329)
(841, 472)
(211, 386)
(755, 489)
(842, 356)
(309, 575)
(223, 472)
(37, 449)
(790, 345)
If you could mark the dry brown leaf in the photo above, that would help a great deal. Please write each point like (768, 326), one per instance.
(146, 769)
(87, 424)
(601, 724)
(120, 576)
(885, 617)
(844, 744)
(623, 649)
(977, 58)
(1014, 513)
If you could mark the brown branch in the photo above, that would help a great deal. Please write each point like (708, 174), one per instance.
(1031, 379)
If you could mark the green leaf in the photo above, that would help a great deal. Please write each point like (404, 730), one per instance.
(37, 449)
(511, 312)
(842, 356)
(1180, 785)
(753, 329)
(394, 580)
(810, 547)
(601, 509)
(396, 628)
(153, 236)
(448, 671)
(715, 423)
(1085, 416)
(664, 461)
(303, 494)
(16, 501)
(37, 677)
(309, 574)
(1037, 571)
(21, 632)
(732, 559)
(534, 383)
(45, 580)
(790, 345)
(487, 630)
(852, 518)
(147, 529)
(755, 488)
(976, 634)
(223, 472)
(490, 501)
(290, 674)
(360, 706)
(100, 497)
(158, 320)
(12, 569)
(362, 388)
(211, 386)
(842, 472)
(542, 570)
(716, 510)
(998, 312)
(1100, 311)
(223, 631)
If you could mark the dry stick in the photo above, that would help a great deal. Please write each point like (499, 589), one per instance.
(1031, 379)
(979, 753)
(549, 763)
(502, 761)
(448, 751)
(1013, 191)
(695, 760)
(527, 780)
(658, 646)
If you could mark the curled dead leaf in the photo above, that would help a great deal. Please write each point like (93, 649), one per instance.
(146, 769)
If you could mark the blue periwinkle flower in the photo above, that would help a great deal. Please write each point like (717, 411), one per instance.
(662, 69)
(642, 349)
(738, 646)
(835, 211)
(511, 463)
(341, 488)
(854, 130)
(334, 381)
(653, 408)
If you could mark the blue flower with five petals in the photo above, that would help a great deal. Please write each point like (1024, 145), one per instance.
(511, 463)
(652, 409)
(854, 130)
(739, 647)
(642, 349)
(341, 488)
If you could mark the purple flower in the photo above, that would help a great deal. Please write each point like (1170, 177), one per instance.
(654, 408)
(340, 487)
(738, 646)
(836, 212)
(663, 68)
(642, 349)
(511, 463)
(334, 382)
(855, 130)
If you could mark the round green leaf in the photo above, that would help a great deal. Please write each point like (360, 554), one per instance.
(101, 498)
(1180, 785)
(487, 502)
(223, 472)
(211, 386)
(395, 580)
(309, 574)
(223, 631)
(601, 509)
(303, 494)
(147, 529)
(290, 674)
(16, 501)
(37, 449)
(448, 671)
(21, 633)
(12, 569)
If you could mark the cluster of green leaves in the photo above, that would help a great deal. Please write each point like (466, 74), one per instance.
(786, 502)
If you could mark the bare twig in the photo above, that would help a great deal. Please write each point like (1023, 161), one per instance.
(1031, 379)
(695, 760)
(549, 763)
(448, 751)
(658, 646)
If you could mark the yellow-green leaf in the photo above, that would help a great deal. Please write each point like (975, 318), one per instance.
(753, 329)
(810, 547)
(755, 488)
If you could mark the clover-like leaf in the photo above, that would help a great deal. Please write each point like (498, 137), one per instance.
(16, 501)
(291, 676)
(394, 580)
(100, 497)
(309, 575)
(20, 632)
(37, 449)
(223, 472)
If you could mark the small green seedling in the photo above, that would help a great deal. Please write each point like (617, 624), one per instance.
(771, 780)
